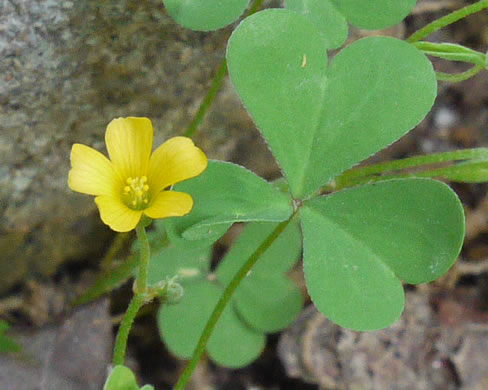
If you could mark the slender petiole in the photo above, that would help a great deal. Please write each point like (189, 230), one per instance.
(447, 20)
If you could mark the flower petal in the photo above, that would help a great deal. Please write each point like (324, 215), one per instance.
(169, 204)
(91, 172)
(116, 214)
(129, 145)
(175, 160)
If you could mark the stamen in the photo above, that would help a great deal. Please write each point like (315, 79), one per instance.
(136, 194)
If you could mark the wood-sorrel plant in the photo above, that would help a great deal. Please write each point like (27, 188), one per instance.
(363, 230)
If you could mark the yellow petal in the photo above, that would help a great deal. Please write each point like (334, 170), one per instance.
(116, 214)
(176, 160)
(91, 172)
(169, 204)
(129, 145)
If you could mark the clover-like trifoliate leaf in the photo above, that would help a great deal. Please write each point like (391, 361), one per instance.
(226, 193)
(329, 21)
(205, 15)
(374, 14)
(360, 243)
(319, 122)
(232, 343)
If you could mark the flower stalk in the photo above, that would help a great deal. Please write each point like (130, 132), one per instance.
(124, 329)
(140, 297)
(141, 281)
(132, 187)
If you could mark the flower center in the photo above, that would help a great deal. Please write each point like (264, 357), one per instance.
(136, 193)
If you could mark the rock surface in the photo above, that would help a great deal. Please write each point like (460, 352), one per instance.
(74, 355)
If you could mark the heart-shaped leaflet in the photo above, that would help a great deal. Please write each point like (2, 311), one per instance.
(319, 122)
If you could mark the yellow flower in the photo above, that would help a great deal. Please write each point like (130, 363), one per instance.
(134, 181)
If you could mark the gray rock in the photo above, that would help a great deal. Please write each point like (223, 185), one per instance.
(74, 355)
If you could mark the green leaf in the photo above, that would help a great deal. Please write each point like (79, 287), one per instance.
(205, 15)
(277, 259)
(268, 303)
(121, 378)
(232, 344)
(226, 193)
(324, 15)
(319, 122)
(265, 56)
(360, 242)
(7, 344)
(374, 14)
(181, 325)
(187, 263)
(4, 325)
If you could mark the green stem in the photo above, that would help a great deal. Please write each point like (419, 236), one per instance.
(224, 299)
(447, 20)
(451, 52)
(448, 173)
(208, 100)
(458, 77)
(124, 329)
(351, 176)
(138, 299)
(215, 86)
(144, 253)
